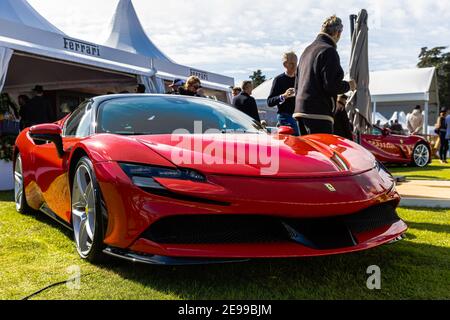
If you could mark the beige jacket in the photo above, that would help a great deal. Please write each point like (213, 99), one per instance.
(415, 122)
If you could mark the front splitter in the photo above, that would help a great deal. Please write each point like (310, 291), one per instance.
(162, 260)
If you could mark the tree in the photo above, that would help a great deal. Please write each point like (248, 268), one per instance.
(436, 57)
(257, 78)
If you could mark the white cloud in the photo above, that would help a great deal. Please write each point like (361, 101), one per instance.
(238, 36)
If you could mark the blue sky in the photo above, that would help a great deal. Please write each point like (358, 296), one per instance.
(235, 37)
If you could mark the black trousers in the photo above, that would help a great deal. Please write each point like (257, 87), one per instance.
(444, 146)
(314, 126)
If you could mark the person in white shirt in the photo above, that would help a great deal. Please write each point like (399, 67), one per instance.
(415, 121)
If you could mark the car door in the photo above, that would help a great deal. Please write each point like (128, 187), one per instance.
(385, 147)
(51, 170)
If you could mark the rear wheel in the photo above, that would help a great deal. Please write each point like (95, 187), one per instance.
(87, 209)
(421, 155)
(19, 188)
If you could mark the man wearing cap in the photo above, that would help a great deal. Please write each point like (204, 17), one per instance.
(38, 110)
(175, 86)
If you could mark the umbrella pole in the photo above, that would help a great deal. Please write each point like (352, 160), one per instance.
(353, 18)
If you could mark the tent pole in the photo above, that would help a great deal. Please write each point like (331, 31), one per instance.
(374, 113)
(425, 118)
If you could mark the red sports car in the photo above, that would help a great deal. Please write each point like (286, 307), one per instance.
(181, 180)
(398, 149)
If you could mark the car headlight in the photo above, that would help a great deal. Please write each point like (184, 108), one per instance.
(143, 176)
(381, 168)
(385, 174)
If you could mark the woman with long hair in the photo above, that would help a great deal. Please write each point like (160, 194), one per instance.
(191, 87)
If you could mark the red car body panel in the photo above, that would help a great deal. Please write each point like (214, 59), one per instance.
(296, 191)
(392, 148)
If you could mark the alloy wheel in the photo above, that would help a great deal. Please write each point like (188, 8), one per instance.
(18, 184)
(421, 155)
(83, 210)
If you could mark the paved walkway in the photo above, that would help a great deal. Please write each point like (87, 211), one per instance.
(423, 193)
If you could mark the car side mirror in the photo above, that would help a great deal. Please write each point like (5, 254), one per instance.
(48, 132)
(286, 130)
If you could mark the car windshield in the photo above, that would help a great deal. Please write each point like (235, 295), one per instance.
(149, 115)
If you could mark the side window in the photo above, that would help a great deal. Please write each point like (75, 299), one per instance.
(84, 127)
(76, 124)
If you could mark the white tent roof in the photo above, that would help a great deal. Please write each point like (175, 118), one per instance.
(404, 85)
(389, 86)
(23, 30)
(262, 91)
(381, 118)
(20, 11)
(127, 33)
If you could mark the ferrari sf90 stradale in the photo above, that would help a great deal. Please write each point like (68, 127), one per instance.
(180, 180)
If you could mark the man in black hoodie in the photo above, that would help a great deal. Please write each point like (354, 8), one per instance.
(282, 94)
(320, 81)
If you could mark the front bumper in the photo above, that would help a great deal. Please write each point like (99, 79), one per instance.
(133, 211)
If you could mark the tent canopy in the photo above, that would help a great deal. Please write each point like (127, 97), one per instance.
(21, 12)
(127, 33)
(405, 85)
(262, 91)
(23, 30)
(59, 75)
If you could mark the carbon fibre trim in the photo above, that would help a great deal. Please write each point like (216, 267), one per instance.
(161, 260)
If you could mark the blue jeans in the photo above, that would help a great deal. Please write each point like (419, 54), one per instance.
(286, 119)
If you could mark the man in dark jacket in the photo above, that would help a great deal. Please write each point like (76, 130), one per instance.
(38, 110)
(282, 94)
(320, 81)
(245, 102)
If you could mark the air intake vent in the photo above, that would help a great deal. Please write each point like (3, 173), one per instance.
(328, 233)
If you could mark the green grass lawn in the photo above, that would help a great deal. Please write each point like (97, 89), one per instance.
(435, 171)
(36, 252)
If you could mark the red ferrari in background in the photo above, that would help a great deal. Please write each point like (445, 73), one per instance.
(135, 176)
(397, 149)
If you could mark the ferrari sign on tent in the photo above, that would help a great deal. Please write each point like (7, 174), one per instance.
(81, 47)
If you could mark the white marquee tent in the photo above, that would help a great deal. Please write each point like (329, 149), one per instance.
(397, 89)
(391, 91)
(33, 51)
(127, 33)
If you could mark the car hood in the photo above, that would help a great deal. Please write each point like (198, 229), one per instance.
(262, 155)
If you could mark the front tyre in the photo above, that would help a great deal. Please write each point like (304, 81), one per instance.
(87, 208)
(19, 187)
(421, 155)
